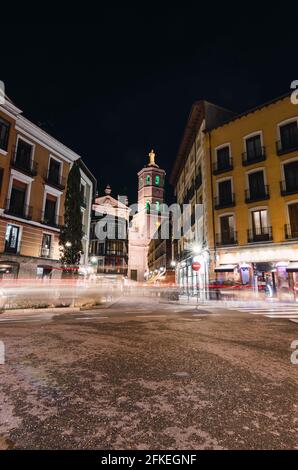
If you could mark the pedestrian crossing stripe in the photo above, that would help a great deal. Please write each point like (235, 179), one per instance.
(282, 316)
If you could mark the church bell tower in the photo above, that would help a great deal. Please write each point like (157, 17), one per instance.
(151, 181)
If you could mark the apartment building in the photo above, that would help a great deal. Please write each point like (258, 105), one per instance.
(160, 262)
(33, 174)
(191, 178)
(254, 160)
(109, 255)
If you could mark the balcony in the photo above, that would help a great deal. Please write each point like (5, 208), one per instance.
(23, 164)
(224, 239)
(222, 167)
(261, 234)
(289, 187)
(54, 180)
(259, 195)
(45, 252)
(290, 232)
(184, 254)
(52, 221)
(198, 180)
(255, 157)
(12, 208)
(287, 147)
(223, 202)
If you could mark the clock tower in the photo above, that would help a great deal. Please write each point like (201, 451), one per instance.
(151, 181)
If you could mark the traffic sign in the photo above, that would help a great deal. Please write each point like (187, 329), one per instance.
(196, 266)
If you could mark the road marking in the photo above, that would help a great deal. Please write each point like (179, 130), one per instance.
(282, 316)
(23, 320)
(151, 316)
(90, 318)
(191, 319)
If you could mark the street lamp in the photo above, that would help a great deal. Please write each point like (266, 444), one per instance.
(173, 263)
(68, 244)
(196, 248)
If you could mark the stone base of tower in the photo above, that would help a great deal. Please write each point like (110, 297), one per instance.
(137, 265)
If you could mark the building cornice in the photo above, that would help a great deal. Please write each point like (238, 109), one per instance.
(31, 130)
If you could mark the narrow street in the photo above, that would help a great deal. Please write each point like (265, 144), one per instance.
(148, 375)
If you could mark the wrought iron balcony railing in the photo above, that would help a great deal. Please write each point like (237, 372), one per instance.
(290, 232)
(248, 158)
(226, 238)
(198, 180)
(261, 234)
(257, 195)
(46, 252)
(223, 202)
(13, 208)
(222, 166)
(51, 220)
(23, 163)
(291, 145)
(289, 186)
(55, 180)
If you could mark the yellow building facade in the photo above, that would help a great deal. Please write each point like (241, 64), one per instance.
(253, 238)
(33, 174)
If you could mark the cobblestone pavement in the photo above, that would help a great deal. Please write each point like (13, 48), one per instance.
(143, 375)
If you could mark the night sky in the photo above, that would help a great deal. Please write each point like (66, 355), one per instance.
(113, 89)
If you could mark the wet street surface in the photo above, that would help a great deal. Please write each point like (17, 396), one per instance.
(148, 375)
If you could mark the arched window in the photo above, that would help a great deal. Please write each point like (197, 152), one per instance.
(141, 182)
(148, 179)
(157, 180)
(147, 205)
(157, 205)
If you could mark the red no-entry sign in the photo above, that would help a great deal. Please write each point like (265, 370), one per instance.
(196, 266)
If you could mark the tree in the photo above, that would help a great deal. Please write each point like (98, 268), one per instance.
(71, 233)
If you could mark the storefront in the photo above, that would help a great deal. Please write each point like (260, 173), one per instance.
(272, 270)
(191, 282)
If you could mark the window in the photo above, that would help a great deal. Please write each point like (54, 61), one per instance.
(253, 147)
(291, 176)
(293, 218)
(147, 179)
(227, 229)
(157, 205)
(157, 180)
(289, 135)
(147, 205)
(54, 171)
(223, 158)
(24, 153)
(4, 134)
(141, 182)
(256, 184)
(225, 192)
(12, 238)
(50, 210)
(17, 198)
(46, 245)
(260, 229)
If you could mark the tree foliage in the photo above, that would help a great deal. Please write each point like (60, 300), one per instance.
(71, 232)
